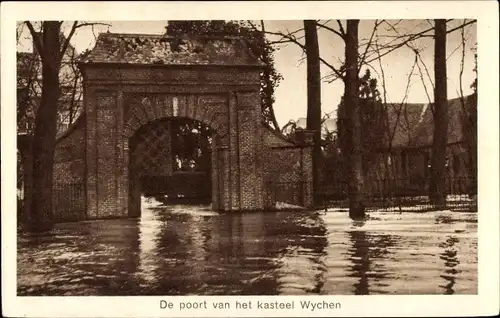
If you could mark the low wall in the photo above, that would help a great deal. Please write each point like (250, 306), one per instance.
(69, 170)
(287, 171)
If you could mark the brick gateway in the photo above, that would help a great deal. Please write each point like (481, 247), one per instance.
(131, 81)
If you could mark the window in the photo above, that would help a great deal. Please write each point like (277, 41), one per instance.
(175, 106)
(64, 117)
(63, 121)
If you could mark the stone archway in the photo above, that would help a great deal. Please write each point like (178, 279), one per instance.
(212, 80)
(134, 80)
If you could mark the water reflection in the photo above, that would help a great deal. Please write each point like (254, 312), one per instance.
(179, 250)
(80, 259)
(150, 226)
(366, 250)
(301, 262)
(360, 261)
(449, 256)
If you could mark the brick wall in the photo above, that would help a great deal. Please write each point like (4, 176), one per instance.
(287, 171)
(119, 101)
(107, 152)
(283, 166)
(69, 170)
(250, 152)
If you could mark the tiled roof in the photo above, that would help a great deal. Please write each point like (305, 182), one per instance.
(403, 127)
(160, 49)
(415, 125)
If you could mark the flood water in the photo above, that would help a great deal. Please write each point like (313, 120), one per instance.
(186, 250)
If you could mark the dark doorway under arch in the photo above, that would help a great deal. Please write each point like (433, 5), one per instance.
(171, 160)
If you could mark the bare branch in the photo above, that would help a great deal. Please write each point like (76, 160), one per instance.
(460, 77)
(384, 87)
(463, 25)
(76, 26)
(399, 36)
(403, 102)
(462, 34)
(289, 37)
(342, 30)
(409, 78)
(429, 77)
(324, 26)
(19, 30)
(92, 24)
(423, 82)
(66, 42)
(412, 37)
(375, 26)
(36, 39)
(419, 57)
(387, 130)
(398, 22)
(281, 41)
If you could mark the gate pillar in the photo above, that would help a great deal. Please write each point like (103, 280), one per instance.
(251, 181)
(106, 185)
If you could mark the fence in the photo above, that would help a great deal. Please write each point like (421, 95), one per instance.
(410, 194)
(285, 192)
(68, 202)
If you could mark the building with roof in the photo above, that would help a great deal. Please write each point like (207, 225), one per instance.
(403, 163)
(29, 89)
(411, 127)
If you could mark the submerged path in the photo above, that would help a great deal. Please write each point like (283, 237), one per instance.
(191, 250)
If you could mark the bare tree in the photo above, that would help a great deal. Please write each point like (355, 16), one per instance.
(373, 49)
(48, 46)
(314, 96)
(401, 39)
(469, 115)
(292, 37)
(440, 136)
(51, 50)
(349, 73)
(354, 144)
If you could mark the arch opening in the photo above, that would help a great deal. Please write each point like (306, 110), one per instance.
(170, 160)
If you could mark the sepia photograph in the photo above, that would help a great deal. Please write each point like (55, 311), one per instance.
(230, 157)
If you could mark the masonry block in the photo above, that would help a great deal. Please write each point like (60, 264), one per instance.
(248, 162)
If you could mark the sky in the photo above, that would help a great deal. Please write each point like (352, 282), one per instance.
(291, 94)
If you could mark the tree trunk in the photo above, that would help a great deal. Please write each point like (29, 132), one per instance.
(472, 147)
(314, 98)
(45, 130)
(27, 164)
(354, 141)
(440, 138)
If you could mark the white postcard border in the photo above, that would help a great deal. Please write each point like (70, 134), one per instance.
(486, 12)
